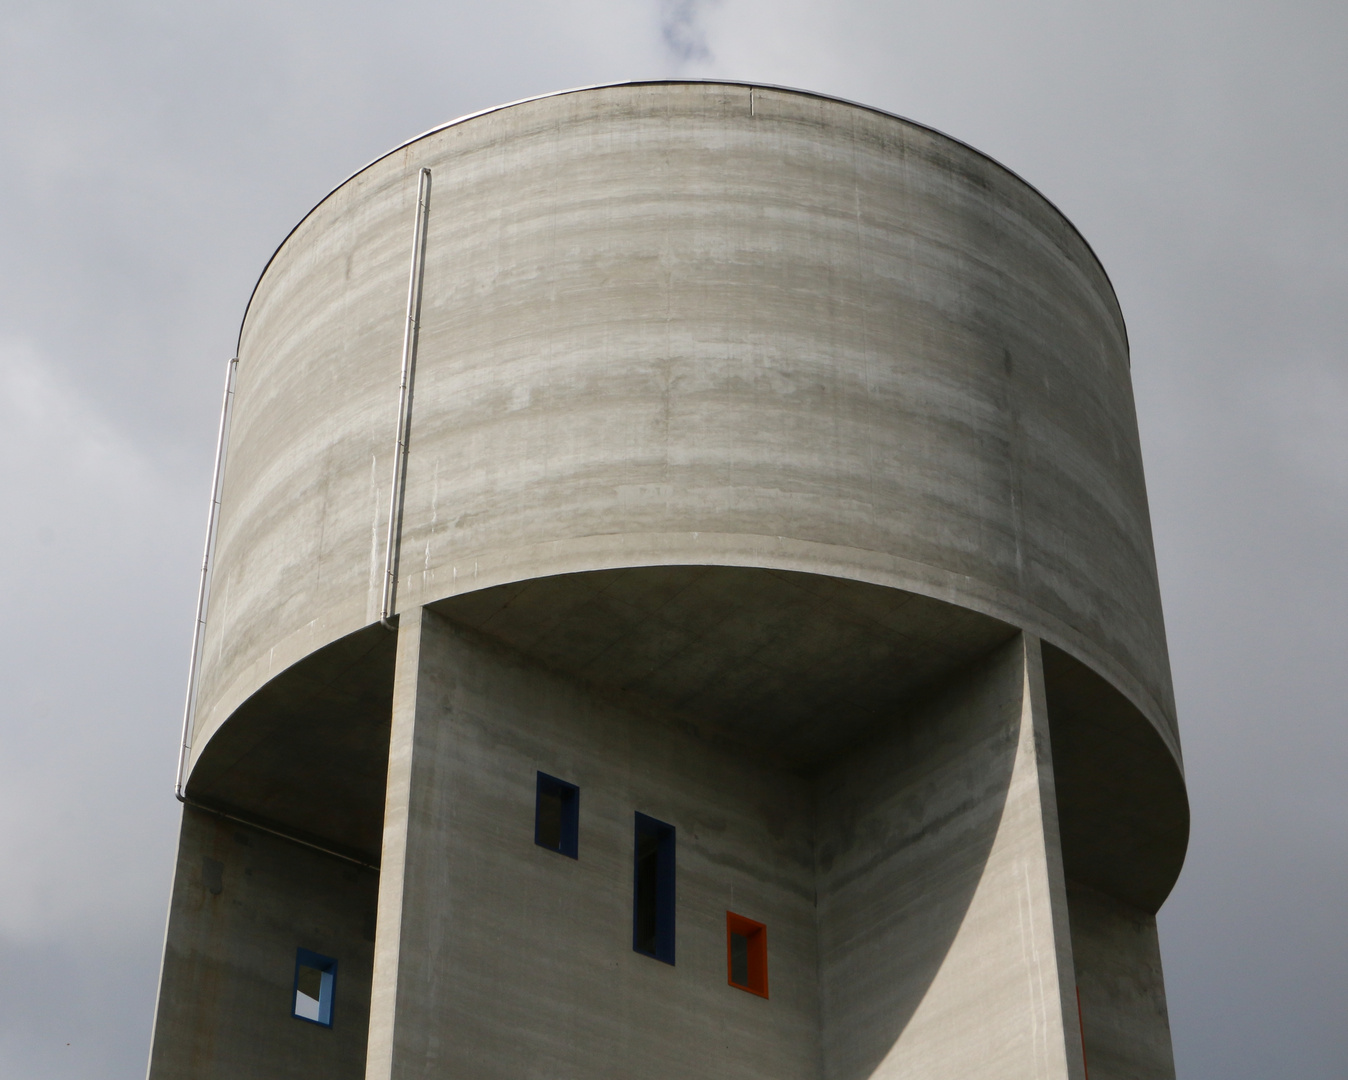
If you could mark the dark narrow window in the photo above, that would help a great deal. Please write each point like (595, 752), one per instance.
(557, 815)
(315, 981)
(653, 889)
(746, 944)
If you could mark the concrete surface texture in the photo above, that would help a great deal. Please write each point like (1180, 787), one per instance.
(773, 472)
(941, 889)
(243, 902)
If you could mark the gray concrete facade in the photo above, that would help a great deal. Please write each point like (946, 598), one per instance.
(243, 901)
(773, 472)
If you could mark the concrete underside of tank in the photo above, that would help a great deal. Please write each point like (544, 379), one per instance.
(784, 691)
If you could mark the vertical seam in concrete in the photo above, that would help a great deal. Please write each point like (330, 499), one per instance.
(821, 1060)
(1034, 974)
(373, 595)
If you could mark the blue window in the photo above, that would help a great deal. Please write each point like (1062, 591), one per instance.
(315, 980)
(557, 816)
(653, 889)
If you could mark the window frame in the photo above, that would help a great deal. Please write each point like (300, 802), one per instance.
(569, 833)
(327, 992)
(663, 887)
(756, 962)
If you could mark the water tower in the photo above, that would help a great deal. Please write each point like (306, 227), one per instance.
(681, 603)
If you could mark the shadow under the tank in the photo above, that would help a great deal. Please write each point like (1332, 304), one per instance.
(905, 828)
(307, 754)
(901, 711)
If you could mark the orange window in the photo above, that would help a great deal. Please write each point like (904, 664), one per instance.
(746, 946)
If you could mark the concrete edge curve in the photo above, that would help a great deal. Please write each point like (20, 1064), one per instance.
(618, 551)
(1118, 311)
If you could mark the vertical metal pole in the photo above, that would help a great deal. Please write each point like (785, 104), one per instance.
(410, 333)
(204, 586)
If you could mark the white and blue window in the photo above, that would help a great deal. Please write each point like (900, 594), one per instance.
(315, 981)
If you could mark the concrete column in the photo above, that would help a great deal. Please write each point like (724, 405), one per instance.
(393, 861)
(944, 939)
(1118, 967)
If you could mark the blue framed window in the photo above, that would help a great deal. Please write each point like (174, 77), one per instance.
(557, 816)
(653, 889)
(315, 981)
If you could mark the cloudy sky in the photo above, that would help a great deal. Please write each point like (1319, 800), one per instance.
(152, 155)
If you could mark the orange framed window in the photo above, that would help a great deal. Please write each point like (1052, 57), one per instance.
(746, 948)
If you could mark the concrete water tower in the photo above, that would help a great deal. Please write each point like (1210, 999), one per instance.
(681, 604)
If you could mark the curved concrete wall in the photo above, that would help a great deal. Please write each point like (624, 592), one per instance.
(688, 324)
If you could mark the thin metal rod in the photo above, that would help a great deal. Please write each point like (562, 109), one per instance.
(204, 586)
(277, 832)
(410, 334)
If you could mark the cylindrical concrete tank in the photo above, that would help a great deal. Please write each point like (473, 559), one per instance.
(688, 324)
(828, 366)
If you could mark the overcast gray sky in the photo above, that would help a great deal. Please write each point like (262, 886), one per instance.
(152, 155)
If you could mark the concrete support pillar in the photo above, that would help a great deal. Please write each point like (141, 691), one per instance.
(388, 954)
(1118, 968)
(944, 940)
